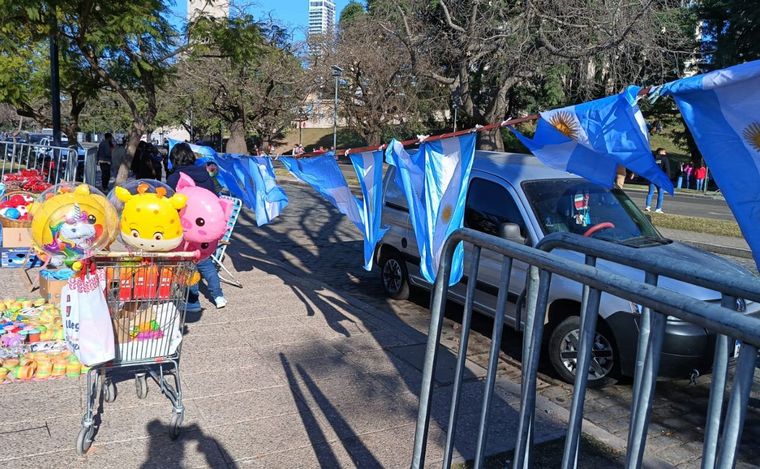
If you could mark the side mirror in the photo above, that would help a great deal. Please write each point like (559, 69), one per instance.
(511, 232)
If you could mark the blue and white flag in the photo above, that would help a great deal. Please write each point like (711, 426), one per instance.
(435, 181)
(323, 174)
(369, 170)
(270, 198)
(722, 110)
(557, 150)
(613, 128)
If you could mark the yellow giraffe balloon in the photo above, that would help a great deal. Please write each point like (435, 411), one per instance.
(150, 221)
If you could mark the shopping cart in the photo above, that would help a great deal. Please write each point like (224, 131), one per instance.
(146, 297)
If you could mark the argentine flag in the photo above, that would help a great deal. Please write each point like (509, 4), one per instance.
(270, 198)
(722, 110)
(323, 174)
(435, 180)
(598, 135)
(369, 169)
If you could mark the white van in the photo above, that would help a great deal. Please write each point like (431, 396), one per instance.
(516, 197)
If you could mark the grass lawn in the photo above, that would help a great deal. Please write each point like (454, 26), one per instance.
(696, 224)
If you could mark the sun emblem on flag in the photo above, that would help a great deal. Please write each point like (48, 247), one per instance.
(564, 122)
(752, 135)
(446, 213)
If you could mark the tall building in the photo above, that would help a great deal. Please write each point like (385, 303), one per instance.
(213, 8)
(321, 17)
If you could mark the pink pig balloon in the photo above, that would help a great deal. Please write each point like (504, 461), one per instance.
(205, 249)
(204, 218)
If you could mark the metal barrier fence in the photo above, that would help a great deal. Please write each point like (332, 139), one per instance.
(657, 303)
(57, 163)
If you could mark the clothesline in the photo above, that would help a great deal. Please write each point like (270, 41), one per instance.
(414, 141)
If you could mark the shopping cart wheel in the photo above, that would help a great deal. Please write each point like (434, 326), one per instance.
(109, 391)
(84, 440)
(176, 425)
(141, 386)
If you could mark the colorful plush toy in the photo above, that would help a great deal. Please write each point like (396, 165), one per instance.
(72, 221)
(150, 221)
(204, 218)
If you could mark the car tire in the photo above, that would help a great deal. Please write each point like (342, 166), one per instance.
(562, 350)
(394, 276)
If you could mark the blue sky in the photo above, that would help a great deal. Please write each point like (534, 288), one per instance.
(293, 14)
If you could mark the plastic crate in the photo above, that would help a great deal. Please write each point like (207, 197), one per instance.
(13, 258)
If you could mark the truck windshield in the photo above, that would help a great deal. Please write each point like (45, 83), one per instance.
(581, 207)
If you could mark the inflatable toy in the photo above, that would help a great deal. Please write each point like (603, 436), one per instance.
(150, 221)
(204, 218)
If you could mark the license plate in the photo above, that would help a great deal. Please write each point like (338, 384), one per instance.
(737, 347)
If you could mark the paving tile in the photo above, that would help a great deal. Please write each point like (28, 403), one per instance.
(226, 381)
(250, 405)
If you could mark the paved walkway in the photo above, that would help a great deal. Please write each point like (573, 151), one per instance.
(290, 374)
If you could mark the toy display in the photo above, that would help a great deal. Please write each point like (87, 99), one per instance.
(205, 249)
(133, 186)
(149, 220)
(32, 346)
(16, 206)
(31, 180)
(204, 218)
(72, 222)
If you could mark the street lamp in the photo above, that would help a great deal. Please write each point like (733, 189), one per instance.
(455, 105)
(337, 72)
(302, 117)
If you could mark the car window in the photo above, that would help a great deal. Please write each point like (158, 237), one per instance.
(489, 205)
(394, 195)
(581, 207)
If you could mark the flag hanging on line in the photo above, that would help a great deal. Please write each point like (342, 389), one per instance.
(722, 110)
(434, 181)
(270, 198)
(369, 170)
(323, 174)
(598, 135)
(252, 180)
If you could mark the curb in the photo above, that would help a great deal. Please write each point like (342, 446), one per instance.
(718, 249)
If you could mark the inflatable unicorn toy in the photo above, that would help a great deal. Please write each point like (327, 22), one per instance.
(74, 235)
(150, 221)
(204, 218)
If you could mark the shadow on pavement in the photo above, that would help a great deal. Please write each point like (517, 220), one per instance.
(163, 452)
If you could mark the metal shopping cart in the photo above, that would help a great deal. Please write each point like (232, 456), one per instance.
(146, 296)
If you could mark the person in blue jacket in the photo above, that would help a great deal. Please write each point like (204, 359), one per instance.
(183, 161)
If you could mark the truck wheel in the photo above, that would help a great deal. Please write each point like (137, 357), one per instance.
(394, 276)
(564, 344)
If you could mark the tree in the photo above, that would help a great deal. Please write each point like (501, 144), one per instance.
(380, 95)
(486, 51)
(730, 33)
(129, 47)
(248, 77)
(25, 67)
(352, 11)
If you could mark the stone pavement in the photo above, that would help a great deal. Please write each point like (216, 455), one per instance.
(290, 374)
(314, 240)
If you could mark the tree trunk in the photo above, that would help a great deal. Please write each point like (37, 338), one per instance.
(491, 140)
(236, 142)
(135, 134)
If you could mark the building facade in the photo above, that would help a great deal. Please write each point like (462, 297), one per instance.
(321, 17)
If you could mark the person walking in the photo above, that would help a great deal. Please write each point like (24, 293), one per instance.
(699, 175)
(661, 158)
(105, 149)
(183, 161)
(142, 166)
(620, 175)
(688, 169)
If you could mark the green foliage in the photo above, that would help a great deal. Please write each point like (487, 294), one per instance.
(351, 12)
(731, 32)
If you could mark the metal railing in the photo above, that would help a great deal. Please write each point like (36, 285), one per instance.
(57, 163)
(657, 303)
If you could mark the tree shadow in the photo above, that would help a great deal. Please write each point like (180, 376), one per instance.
(310, 240)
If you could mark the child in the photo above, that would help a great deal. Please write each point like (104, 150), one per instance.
(183, 161)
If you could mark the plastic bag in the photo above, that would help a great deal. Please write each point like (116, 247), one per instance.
(86, 320)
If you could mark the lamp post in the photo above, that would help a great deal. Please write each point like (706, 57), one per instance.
(337, 72)
(55, 92)
(302, 117)
(455, 105)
